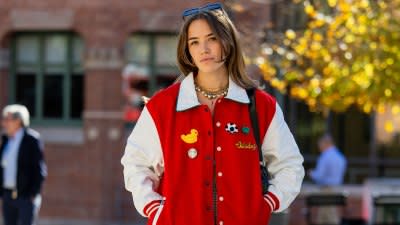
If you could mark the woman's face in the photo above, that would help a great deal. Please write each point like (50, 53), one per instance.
(10, 125)
(204, 47)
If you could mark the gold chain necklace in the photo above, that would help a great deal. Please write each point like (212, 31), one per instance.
(211, 94)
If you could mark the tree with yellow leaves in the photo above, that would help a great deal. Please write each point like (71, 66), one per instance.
(349, 54)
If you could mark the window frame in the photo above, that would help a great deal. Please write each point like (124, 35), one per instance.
(67, 69)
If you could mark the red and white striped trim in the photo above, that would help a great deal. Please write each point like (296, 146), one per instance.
(151, 207)
(272, 201)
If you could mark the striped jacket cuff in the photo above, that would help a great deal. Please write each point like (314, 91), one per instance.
(272, 201)
(151, 207)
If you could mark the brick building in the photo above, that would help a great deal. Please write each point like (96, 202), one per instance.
(64, 59)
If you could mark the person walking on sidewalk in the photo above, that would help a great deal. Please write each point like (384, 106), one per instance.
(192, 157)
(22, 169)
(328, 173)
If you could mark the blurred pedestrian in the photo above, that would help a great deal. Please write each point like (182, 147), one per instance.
(192, 157)
(22, 168)
(329, 173)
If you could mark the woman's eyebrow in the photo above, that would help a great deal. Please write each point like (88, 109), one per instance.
(208, 35)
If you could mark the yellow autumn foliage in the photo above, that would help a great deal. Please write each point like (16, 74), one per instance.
(345, 56)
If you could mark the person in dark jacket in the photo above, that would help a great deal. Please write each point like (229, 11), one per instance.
(22, 169)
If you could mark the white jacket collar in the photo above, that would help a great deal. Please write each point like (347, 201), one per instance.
(187, 97)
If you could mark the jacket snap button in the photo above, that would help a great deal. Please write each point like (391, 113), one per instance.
(192, 153)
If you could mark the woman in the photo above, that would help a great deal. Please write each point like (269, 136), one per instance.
(192, 158)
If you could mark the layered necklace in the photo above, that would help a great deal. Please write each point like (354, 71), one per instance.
(211, 94)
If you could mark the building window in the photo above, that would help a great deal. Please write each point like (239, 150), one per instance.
(47, 76)
(151, 66)
(155, 56)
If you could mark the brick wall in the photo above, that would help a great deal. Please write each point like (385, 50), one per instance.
(3, 87)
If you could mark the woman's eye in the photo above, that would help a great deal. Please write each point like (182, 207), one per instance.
(213, 38)
(193, 43)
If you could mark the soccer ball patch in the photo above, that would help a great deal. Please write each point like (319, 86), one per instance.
(231, 128)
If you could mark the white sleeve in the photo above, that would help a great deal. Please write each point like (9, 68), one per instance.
(284, 163)
(143, 162)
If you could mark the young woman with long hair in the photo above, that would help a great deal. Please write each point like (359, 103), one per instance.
(192, 158)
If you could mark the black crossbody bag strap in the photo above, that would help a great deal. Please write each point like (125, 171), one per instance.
(256, 133)
(254, 121)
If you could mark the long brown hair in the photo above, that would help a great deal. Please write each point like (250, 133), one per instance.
(225, 32)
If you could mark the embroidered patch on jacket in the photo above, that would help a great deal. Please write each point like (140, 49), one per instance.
(191, 137)
(245, 145)
(231, 128)
(245, 130)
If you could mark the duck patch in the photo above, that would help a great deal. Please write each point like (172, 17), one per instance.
(231, 128)
(191, 137)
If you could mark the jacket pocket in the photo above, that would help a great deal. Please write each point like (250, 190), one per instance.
(159, 211)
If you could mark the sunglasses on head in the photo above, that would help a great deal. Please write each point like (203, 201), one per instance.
(197, 10)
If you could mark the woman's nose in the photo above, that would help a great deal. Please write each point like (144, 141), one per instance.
(205, 48)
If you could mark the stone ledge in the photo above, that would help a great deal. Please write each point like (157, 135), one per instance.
(28, 19)
(103, 115)
(61, 135)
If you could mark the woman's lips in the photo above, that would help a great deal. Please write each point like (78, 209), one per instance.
(207, 59)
